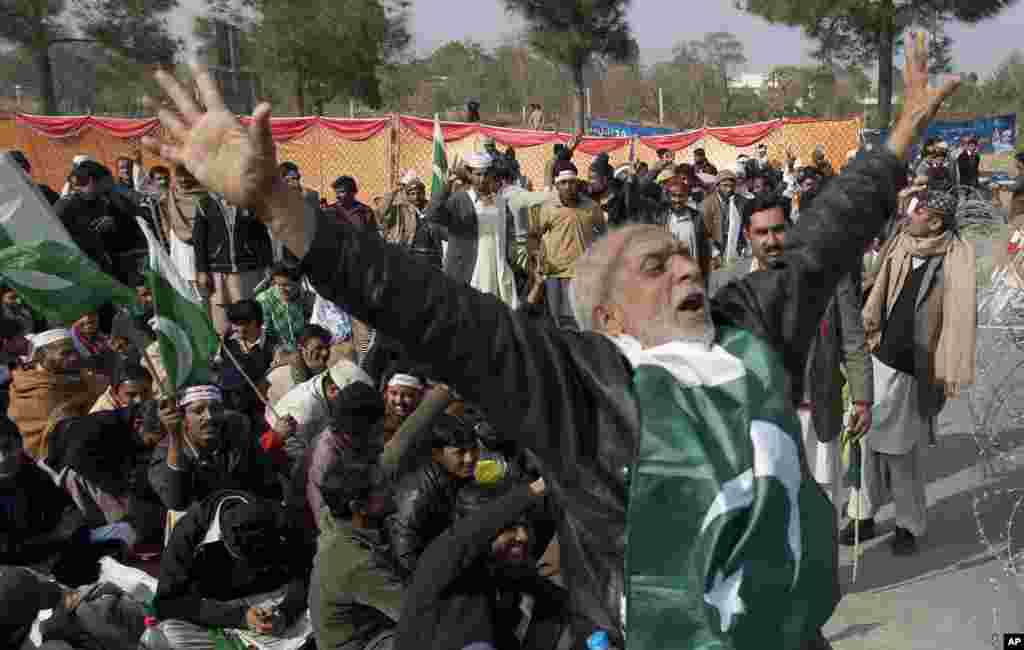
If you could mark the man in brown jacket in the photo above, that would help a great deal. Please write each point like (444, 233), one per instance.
(566, 226)
(723, 214)
(53, 379)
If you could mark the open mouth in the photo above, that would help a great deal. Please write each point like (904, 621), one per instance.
(692, 302)
(516, 553)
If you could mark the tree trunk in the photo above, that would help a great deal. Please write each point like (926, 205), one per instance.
(886, 42)
(46, 93)
(579, 99)
(300, 92)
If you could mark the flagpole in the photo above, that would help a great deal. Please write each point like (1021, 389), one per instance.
(249, 380)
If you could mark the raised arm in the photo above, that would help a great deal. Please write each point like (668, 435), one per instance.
(513, 366)
(786, 304)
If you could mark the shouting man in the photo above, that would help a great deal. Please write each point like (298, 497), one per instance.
(668, 398)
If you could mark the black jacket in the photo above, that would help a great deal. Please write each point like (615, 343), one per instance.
(102, 447)
(196, 579)
(243, 466)
(106, 619)
(79, 216)
(567, 395)
(425, 502)
(458, 598)
(31, 534)
(245, 246)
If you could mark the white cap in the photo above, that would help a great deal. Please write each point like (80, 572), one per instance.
(479, 160)
(409, 381)
(410, 177)
(48, 337)
(345, 373)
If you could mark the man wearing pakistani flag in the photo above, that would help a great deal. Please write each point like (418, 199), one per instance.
(666, 433)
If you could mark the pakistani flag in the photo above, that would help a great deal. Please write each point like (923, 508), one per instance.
(731, 544)
(40, 261)
(440, 177)
(188, 342)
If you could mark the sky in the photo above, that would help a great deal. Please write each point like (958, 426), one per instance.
(657, 25)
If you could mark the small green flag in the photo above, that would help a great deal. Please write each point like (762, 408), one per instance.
(440, 176)
(40, 261)
(188, 342)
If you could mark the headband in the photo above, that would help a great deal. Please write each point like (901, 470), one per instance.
(50, 336)
(205, 393)
(566, 175)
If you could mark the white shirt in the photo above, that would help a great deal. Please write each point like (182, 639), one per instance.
(682, 228)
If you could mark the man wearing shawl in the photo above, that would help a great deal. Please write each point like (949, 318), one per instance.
(178, 208)
(723, 219)
(670, 399)
(53, 378)
(920, 321)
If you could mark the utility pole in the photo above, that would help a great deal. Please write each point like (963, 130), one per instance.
(661, 106)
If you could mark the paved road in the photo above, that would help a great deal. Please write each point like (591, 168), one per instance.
(954, 594)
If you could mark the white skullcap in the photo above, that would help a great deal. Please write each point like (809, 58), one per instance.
(405, 380)
(345, 373)
(48, 337)
(79, 159)
(479, 160)
(621, 172)
(206, 393)
(410, 177)
(851, 155)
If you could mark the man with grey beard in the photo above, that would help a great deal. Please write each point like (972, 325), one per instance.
(669, 411)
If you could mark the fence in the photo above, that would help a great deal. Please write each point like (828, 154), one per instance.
(378, 151)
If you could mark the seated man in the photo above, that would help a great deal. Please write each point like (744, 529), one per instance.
(361, 414)
(426, 499)
(37, 519)
(230, 553)
(476, 583)
(310, 359)
(101, 460)
(208, 449)
(23, 593)
(246, 350)
(286, 307)
(355, 595)
(131, 384)
(53, 378)
(303, 413)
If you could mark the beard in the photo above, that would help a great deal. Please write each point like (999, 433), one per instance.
(667, 328)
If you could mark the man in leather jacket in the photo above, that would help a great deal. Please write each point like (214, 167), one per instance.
(426, 499)
(570, 397)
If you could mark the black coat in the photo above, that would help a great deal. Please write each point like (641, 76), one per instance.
(31, 534)
(243, 247)
(102, 447)
(425, 501)
(196, 579)
(79, 215)
(457, 598)
(243, 466)
(566, 395)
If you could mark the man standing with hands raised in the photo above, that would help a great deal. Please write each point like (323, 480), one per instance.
(597, 407)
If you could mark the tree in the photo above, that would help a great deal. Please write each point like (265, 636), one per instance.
(723, 53)
(576, 33)
(137, 30)
(318, 50)
(853, 31)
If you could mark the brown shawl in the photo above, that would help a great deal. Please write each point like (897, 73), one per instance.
(954, 357)
(180, 208)
(398, 219)
(35, 393)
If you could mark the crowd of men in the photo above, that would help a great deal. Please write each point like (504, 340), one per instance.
(413, 429)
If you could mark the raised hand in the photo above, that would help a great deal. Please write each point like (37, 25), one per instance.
(921, 101)
(227, 158)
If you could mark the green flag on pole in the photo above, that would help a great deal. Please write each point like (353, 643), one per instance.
(188, 342)
(731, 545)
(41, 262)
(440, 176)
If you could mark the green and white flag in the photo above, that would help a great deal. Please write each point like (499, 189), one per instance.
(188, 342)
(40, 261)
(440, 176)
(731, 545)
